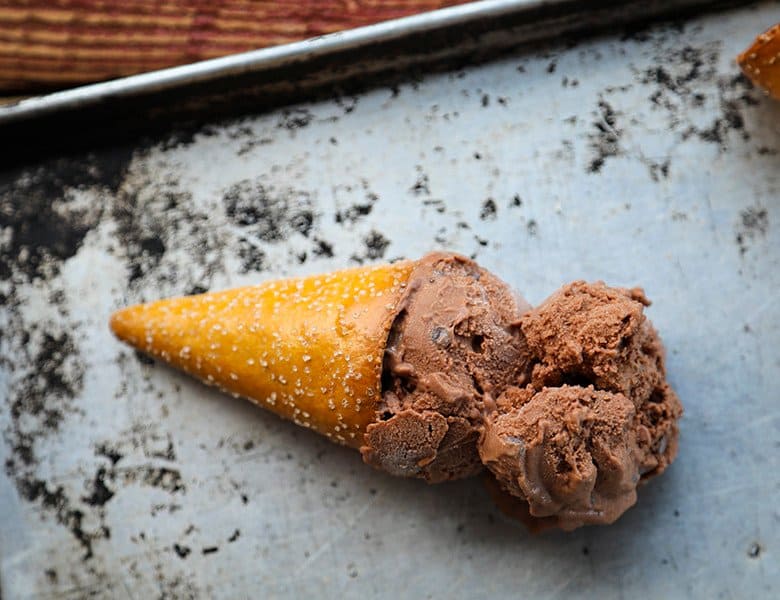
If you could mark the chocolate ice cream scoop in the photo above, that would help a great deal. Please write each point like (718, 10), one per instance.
(453, 348)
(570, 452)
(597, 418)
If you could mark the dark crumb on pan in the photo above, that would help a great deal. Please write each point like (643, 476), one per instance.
(169, 480)
(152, 215)
(658, 169)
(266, 213)
(100, 493)
(605, 141)
(252, 257)
(322, 248)
(683, 80)
(489, 210)
(35, 203)
(358, 210)
(172, 584)
(436, 203)
(421, 186)
(296, 118)
(353, 213)
(375, 246)
(39, 401)
(54, 501)
(347, 103)
(753, 224)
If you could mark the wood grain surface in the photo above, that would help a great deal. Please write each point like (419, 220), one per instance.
(46, 44)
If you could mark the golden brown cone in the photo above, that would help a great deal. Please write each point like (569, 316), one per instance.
(309, 349)
(761, 62)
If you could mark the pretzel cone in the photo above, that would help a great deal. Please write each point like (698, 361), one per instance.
(761, 62)
(309, 349)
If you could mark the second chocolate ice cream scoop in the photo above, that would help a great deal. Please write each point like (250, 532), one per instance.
(597, 418)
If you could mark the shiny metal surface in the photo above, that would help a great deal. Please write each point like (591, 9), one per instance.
(645, 160)
(539, 19)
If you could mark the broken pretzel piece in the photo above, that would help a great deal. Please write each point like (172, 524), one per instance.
(761, 62)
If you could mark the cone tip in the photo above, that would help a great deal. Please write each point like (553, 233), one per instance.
(121, 324)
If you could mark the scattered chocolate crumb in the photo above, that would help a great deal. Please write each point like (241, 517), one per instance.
(605, 142)
(375, 246)
(36, 206)
(100, 493)
(296, 118)
(754, 551)
(421, 185)
(169, 480)
(753, 224)
(323, 249)
(267, 214)
(252, 257)
(181, 551)
(54, 501)
(489, 210)
(353, 213)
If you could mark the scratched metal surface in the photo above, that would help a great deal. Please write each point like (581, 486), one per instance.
(644, 160)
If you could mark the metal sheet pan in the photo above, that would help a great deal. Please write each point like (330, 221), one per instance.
(641, 160)
(278, 75)
(539, 18)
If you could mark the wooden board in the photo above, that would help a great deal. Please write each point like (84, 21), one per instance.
(45, 44)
